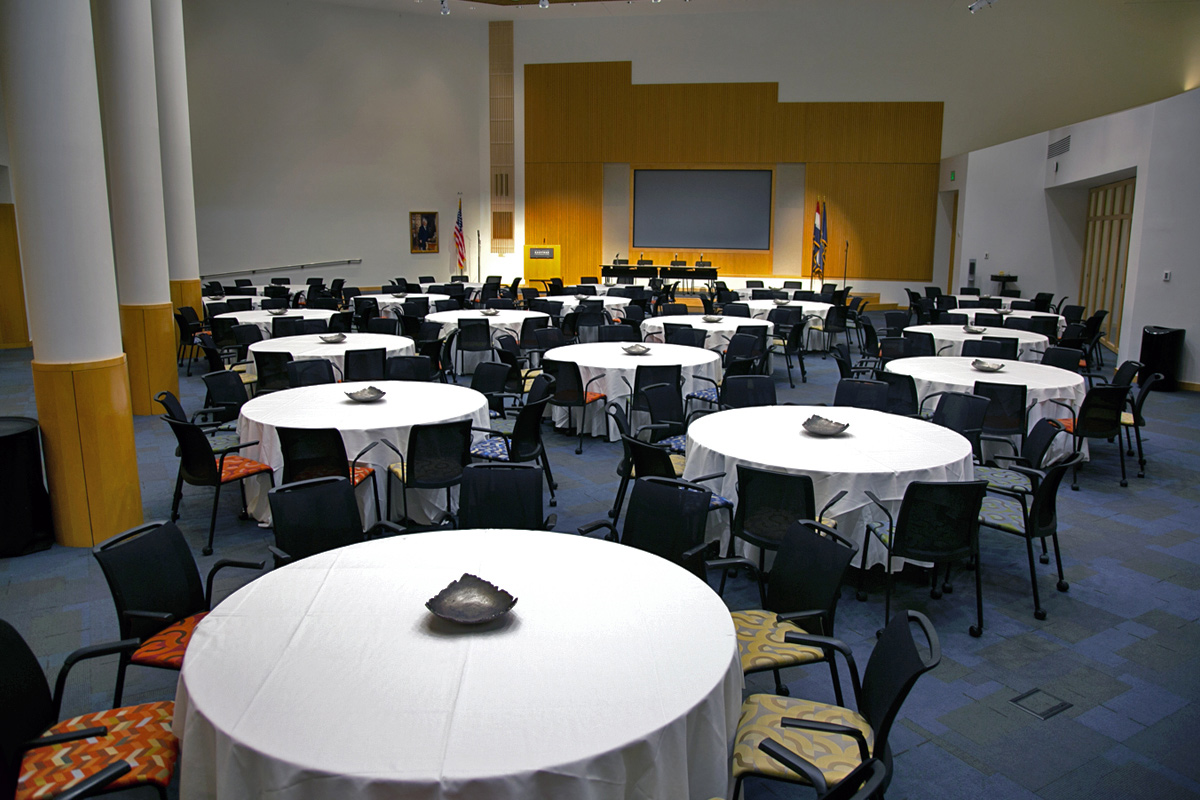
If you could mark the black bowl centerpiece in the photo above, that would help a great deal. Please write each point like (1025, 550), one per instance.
(819, 426)
(470, 600)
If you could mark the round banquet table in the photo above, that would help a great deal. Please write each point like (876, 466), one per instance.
(1030, 346)
(611, 361)
(1005, 302)
(761, 309)
(263, 318)
(406, 403)
(329, 679)
(1020, 314)
(504, 321)
(719, 333)
(310, 346)
(389, 303)
(615, 306)
(1042, 383)
(881, 452)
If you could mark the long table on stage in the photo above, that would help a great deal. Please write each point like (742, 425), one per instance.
(627, 271)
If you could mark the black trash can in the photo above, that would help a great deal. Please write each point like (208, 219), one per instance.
(1162, 351)
(28, 526)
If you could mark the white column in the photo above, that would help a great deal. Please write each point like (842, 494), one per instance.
(48, 65)
(175, 136)
(125, 61)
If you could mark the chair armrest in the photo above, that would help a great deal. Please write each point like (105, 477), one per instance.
(792, 616)
(702, 478)
(589, 383)
(550, 522)
(153, 616)
(592, 527)
(831, 503)
(63, 738)
(384, 526)
(222, 564)
(361, 453)
(858, 736)
(732, 563)
(89, 785)
(282, 559)
(882, 507)
(82, 654)
(224, 451)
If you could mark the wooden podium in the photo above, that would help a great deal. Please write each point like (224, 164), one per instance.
(542, 262)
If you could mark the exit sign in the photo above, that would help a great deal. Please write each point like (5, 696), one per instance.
(952, 176)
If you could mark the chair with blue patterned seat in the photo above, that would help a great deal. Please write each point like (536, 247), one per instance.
(524, 444)
(1036, 518)
(827, 743)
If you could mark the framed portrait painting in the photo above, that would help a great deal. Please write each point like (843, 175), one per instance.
(423, 231)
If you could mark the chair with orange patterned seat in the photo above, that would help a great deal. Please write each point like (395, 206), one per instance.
(571, 392)
(95, 753)
(202, 465)
(319, 453)
(157, 592)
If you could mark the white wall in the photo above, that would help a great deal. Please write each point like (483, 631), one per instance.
(317, 128)
(1031, 217)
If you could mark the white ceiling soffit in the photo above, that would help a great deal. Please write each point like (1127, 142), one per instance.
(571, 9)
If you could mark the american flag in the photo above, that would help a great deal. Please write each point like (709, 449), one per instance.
(460, 246)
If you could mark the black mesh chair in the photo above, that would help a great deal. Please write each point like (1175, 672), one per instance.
(317, 515)
(341, 322)
(1134, 419)
(667, 518)
(894, 322)
(493, 380)
(767, 504)
(365, 365)
(736, 310)
(987, 319)
(1099, 417)
(314, 326)
(921, 343)
(408, 368)
(1036, 518)
(524, 444)
(474, 336)
(502, 496)
(799, 595)
(239, 303)
(88, 755)
(939, 523)
(815, 744)
(861, 393)
(202, 465)
(571, 392)
(157, 592)
(952, 319)
(901, 395)
(320, 452)
(618, 333)
(649, 375)
(746, 391)
(434, 459)
(389, 326)
(961, 412)
(793, 347)
(1010, 347)
(287, 326)
(269, 303)
(1068, 358)
(972, 290)
(226, 396)
(1072, 313)
(244, 336)
(310, 372)
(1007, 415)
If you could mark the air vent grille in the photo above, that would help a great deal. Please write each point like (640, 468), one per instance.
(1058, 148)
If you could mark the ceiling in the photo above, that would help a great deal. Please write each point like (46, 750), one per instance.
(572, 9)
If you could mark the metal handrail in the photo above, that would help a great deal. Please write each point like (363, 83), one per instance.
(278, 269)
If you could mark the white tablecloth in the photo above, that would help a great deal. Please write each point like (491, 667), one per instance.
(609, 359)
(1005, 302)
(881, 452)
(311, 346)
(615, 306)
(614, 677)
(390, 305)
(504, 321)
(970, 312)
(719, 333)
(761, 309)
(1030, 346)
(1042, 384)
(263, 318)
(407, 403)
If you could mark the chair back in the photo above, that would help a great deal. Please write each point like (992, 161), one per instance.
(1038, 442)
(861, 393)
(1072, 313)
(474, 335)
(313, 326)
(365, 365)
(664, 402)
(736, 310)
(437, 454)
(28, 705)
(499, 495)
(987, 319)
(901, 395)
(287, 326)
(768, 503)
(895, 322)
(239, 303)
(225, 391)
(1010, 346)
(650, 375)
(341, 321)
(491, 379)
(952, 319)
(150, 568)
(1043, 507)
(222, 331)
(746, 391)
(809, 568)
(892, 670)
(272, 370)
(314, 516)
(963, 413)
(1143, 393)
(310, 372)
(618, 333)
(1023, 305)
(939, 520)
(385, 325)
(1100, 415)
(684, 335)
(666, 517)
(1063, 357)
(1006, 412)
(197, 465)
(921, 343)
(1126, 373)
(408, 368)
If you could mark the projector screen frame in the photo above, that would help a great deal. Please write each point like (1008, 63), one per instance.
(690, 254)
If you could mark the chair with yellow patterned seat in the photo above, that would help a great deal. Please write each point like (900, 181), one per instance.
(95, 753)
(321, 452)
(826, 741)
(157, 593)
(800, 595)
(435, 458)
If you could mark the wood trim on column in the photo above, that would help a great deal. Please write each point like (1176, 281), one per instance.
(148, 335)
(187, 293)
(14, 325)
(91, 457)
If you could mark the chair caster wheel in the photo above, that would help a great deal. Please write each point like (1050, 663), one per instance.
(1039, 613)
(207, 551)
(1124, 484)
(782, 690)
(975, 631)
(579, 452)
(1074, 487)
(879, 633)
(1062, 586)
(243, 516)
(174, 518)
(1044, 558)
(555, 503)
(935, 594)
(860, 597)
(947, 588)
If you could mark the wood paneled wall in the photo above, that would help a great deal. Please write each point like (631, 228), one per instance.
(875, 164)
(14, 325)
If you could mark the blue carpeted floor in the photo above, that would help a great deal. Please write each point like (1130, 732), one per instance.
(1122, 647)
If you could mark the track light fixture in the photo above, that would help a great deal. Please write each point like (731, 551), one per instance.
(445, 8)
(978, 4)
(543, 3)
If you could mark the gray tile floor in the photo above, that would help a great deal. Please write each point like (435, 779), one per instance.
(1122, 646)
